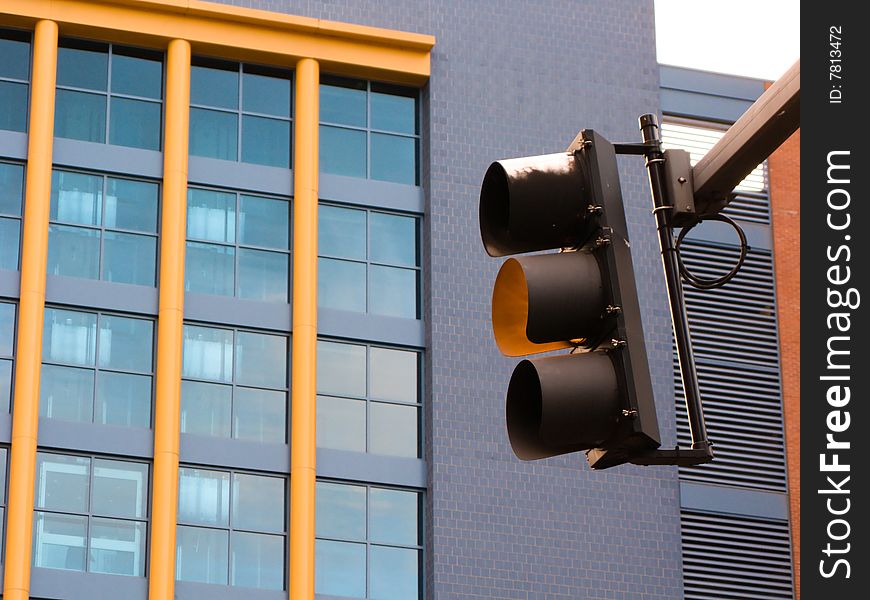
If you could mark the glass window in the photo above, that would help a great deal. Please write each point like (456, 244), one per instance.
(96, 368)
(11, 203)
(103, 228)
(91, 514)
(7, 354)
(367, 538)
(108, 93)
(369, 262)
(14, 79)
(238, 245)
(235, 384)
(369, 130)
(368, 399)
(232, 528)
(3, 476)
(254, 130)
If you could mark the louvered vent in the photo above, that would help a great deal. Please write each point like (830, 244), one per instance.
(736, 354)
(735, 557)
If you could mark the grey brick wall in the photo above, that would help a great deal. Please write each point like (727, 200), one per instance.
(512, 78)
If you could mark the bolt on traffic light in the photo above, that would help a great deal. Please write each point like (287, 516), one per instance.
(598, 398)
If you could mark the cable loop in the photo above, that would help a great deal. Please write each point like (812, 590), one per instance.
(700, 282)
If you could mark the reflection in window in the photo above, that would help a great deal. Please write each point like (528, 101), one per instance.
(369, 262)
(11, 203)
(238, 245)
(364, 389)
(7, 350)
(369, 130)
(96, 368)
(367, 531)
(108, 93)
(231, 528)
(234, 384)
(14, 79)
(91, 514)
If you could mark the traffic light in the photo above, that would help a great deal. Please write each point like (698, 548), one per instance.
(597, 398)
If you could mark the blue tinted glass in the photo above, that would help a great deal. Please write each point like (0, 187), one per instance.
(341, 511)
(129, 258)
(341, 232)
(393, 239)
(261, 360)
(393, 517)
(342, 151)
(5, 385)
(207, 353)
(211, 215)
(214, 87)
(258, 503)
(341, 369)
(83, 68)
(393, 375)
(264, 222)
(341, 423)
(341, 285)
(59, 541)
(125, 344)
(266, 95)
(394, 158)
(76, 198)
(263, 275)
(135, 123)
(131, 205)
(393, 430)
(208, 269)
(260, 415)
(203, 497)
(206, 408)
(10, 242)
(62, 482)
(7, 328)
(66, 393)
(14, 59)
(69, 337)
(117, 547)
(120, 488)
(266, 141)
(201, 555)
(340, 568)
(343, 105)
(394, 113)
(73, 252)
(393, 292)
(136, 76)
(13, 99)
(214, 134)
(258, 561)
(123, 400)
(80, 116)
(11, 188)
(394, 573)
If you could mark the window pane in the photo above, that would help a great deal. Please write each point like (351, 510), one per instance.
(7, 328)
(341, 232)
(73, 251)
(14, 57)
(258, 503)
(10, 242)
(393, 430)
(263, 275)
(394, 573)
(394, 158)
(123, 400)
(341, 423)
(343, 105)
(126, 343)
(69, 336)
(266, 141)
(261, 360)
(13, 99)
(211, 215)
(208, 269)
(341, 285)
(341, 511)
(260, 415)
(80, 116)
(214, 134)
(203, 496)
(342, 151)
(132, 205)
(62, 482)
(264, 222)
(393, 517)
(135, 123)
(340, 569)
(129, 258)
(201, 555)
(341, 369)
(393, 292)
(258, 561)
(265, 94)
(5, 386)
(207, 353)
(394, 375)
(205, 408)
(213, 86)
(394, 239)
(393, 113)
(83, 66)
(59, 541)
(66, 393)
(117, 547)
(136, 75)
(120, 489)
(11, 187)
(76, 198)
(3, 455)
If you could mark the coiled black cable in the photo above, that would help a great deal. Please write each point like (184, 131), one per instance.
(710, 284)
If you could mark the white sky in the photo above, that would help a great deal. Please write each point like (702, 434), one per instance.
(754, 38)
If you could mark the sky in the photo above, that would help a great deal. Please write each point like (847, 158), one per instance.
(754, 38)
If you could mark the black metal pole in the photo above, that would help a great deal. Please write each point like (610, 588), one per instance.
(656, 167)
